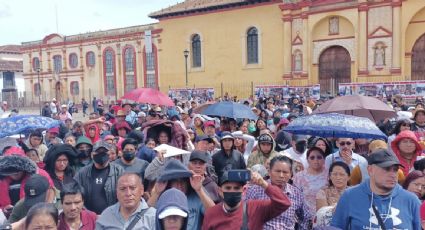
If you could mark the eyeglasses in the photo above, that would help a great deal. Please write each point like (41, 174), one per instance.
(315, 157)
(345, 143)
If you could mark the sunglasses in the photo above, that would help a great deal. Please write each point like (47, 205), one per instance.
(315, 157)
(345, 143)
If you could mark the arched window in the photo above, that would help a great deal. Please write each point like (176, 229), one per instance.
(90, 59)
(57, 63)
(74, 88)
(151, 69)
(252, 46)
(196, 51)
(73, 60)
(35, 63)
(109, 70)
(129, 69)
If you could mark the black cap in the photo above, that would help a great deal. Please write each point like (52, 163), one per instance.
(265, 138)
(225, 178)
(102, 144)
(204, 138)
(383, 159)
(199, 155)
(35, 190)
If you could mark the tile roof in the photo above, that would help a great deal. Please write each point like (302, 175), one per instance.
(11, 49)
(13, 66)
(189, 6)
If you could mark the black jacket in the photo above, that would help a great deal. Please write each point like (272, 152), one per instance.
(223, 162)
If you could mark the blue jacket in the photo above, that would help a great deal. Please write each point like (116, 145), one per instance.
(354, 210)
(171, 197)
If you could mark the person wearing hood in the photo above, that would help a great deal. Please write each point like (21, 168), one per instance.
(172, 210)
(131, 211)
(176, 175)
(198, 124)
(15, 169)
(380, 202)
(35, 141)
(84, 147)
(92, 129)
(265, 150)
(227, 158)
(407, 149)
(59, 163)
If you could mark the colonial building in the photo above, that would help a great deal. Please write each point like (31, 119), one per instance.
(103, 64)
(233, 45)
(11, 79)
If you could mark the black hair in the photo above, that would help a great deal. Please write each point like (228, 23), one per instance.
(284, 159)
(70, 135)
(71, 188)
(129, 141)
(150, 139)
(50, 166)
(34, 150)
(130, 174)
(42, 208)
(313, 141)
(398, 125)
(36, 133)
(341, 164)
(419, 164)
(315, 149)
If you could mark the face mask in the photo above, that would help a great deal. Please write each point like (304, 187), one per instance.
(84, 153)
(269, 122)
(232, 198)
(251, 127)
(276, 120)
(300, 146)
(101, 158)
(128, 156)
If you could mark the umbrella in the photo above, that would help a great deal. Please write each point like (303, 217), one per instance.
(21, 124)
(335, 125)
(148, 95)
(231, 110)
(199, 109)
(357, 105)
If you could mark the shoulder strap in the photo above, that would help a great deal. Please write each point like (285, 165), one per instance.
(136, 219)
(378, 217)
(245, 216)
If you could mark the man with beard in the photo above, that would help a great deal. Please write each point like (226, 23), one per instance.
(99, 179)
(233, 213)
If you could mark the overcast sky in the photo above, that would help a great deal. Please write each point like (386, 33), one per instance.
(29, 20)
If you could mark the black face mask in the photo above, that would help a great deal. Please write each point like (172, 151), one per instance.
(128, 156)
(84, 153)
(232, 198)
(300, 146)
(101, 158)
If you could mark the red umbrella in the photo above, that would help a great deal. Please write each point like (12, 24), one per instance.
(148, 95)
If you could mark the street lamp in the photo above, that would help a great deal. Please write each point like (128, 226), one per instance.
(186, 54)
(39, 90)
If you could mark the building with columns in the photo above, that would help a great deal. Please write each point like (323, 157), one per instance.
(234, 45)
(103, 64)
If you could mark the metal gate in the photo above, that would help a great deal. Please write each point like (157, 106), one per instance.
(334, 68)
(418, 59)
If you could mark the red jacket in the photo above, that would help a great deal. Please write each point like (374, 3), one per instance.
(88, 220)
(394, 146)
(259, 212)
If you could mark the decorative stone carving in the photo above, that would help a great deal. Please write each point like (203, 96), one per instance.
(380, 16)
(387, 55)
(333, 25)
(319, 46)
(298, 61)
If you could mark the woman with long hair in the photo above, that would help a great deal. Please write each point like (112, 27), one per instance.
(59, 162)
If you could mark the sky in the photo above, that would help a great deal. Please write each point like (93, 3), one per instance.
(30, 20)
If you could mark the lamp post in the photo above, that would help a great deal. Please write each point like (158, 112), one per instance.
(39, 89)
(186, 54)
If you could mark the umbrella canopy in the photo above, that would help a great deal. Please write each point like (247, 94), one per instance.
(148, 95)
(199, 109)
(231, 110)
(357, 105)
(22, 124)
(335, 125)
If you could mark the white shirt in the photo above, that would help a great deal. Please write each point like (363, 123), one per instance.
(356, 160)
(302, 158)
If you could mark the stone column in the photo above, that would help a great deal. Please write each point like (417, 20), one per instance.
(119, 88)
(396, 37)
(305, 56)
(362, 49)
(287, 45)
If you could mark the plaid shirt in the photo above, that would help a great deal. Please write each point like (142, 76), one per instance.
(298, 212)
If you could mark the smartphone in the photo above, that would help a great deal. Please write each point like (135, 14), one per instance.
(239, 175)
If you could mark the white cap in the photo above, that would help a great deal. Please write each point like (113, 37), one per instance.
(4, 102)
(172, 211)
(141, 114)
(64, 106)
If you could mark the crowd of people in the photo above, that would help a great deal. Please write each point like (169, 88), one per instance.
(109, 172)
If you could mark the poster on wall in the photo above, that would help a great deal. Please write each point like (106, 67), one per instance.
(285, 91)
(407, 89)
(201, 94)
(269, 90)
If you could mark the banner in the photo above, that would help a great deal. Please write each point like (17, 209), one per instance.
(407, 89)
(202, 94)
(285, 91)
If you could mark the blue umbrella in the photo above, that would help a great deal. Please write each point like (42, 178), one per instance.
(335, 125)
(21, 124)
(230, 109)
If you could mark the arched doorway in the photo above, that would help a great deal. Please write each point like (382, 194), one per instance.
(418, 59)
(334, 68)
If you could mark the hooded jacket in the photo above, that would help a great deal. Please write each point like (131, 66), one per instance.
(50, 160)
(394, 146)
(171, 197)
(224, 162)
(401, 208)
(41, 149)
(17, 163)
(259, 157)
(96, 134)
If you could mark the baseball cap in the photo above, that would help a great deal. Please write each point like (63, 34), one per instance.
(225, 178)
(198, 155)
(35, 190)
(53, 130)
(226, 135)
(383, 159)
(101, 144)
(120, 113)
(298, 138)
(172, 211)
(141, 114)
(203, 138)
(265, 138)
(209, 123)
